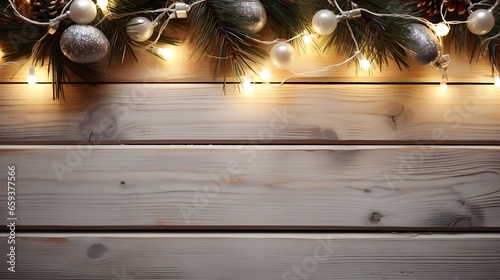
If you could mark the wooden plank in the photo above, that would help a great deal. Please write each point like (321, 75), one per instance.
(301, 113)
(323, 187)
(254, 256)
(180, 68)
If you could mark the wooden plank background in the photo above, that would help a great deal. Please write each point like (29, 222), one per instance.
(256, 256)
(343, 150)
(257, 187)
(315, 114)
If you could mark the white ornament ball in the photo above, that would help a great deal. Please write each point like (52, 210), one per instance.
(481, 22)
(282, 55)
(324, 22)
(84, 43)
(140, 29)
(82, 11)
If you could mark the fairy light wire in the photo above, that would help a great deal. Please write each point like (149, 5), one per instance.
(310, 73)
(170, 11)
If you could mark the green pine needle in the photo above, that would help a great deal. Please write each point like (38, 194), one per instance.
(222, 43)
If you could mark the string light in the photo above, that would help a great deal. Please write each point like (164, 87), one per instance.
(165, 52)
(441, 29)
(444, 85)
(363, 62)
(308, 38)
(103, 4)
(265, 75)
(247, 85)
(31, 75)
(325, 22)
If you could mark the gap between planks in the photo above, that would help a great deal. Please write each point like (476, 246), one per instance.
(248, 147)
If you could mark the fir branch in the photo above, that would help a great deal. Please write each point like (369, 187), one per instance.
(61, 67)
(288, 18)
(215, 37)
(493, 45)
(463, 40)
(133, 6)
(121, 44)
(380, 38)
(17, 38)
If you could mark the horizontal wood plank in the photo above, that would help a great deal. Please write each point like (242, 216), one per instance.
(322, 187)
(254, 256)
(302, 113)
(179, 68)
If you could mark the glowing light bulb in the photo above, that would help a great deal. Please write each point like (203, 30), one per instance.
(165, 52)
(441, 29)
(31, 76)
(247, 85)
(444, 85)
(265, 75)
(103, 4)
(364, 63)
(308, 38)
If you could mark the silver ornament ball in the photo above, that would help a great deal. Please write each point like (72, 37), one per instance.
(425, 47)
(324, 22)
(481, 22)
(82, 11)
(282, 55)
(251, 15)
(140, 29)
(84, 43)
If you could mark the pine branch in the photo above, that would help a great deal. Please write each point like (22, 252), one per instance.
(215, 37)
(61, 67)
(121, 44)
(289, 18)
(463, 40)
(17, 38)
(380, 38)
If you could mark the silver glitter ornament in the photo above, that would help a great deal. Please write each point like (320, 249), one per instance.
(425, 47)
(84, 43)
(251, 15)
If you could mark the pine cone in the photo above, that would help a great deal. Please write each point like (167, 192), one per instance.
(456, 5)
(24, 8)
(44, 10)
(429, 7)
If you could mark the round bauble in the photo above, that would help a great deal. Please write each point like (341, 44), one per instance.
(481, 22)
(282, 55)
(84, 43)
(425, 46)
(248, 15)
(324, 22)
(140, 29)
(82, 11)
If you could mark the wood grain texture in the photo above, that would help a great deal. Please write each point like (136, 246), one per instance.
(190, 113)
(254, 256)
(363, 187)
(179, 68)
